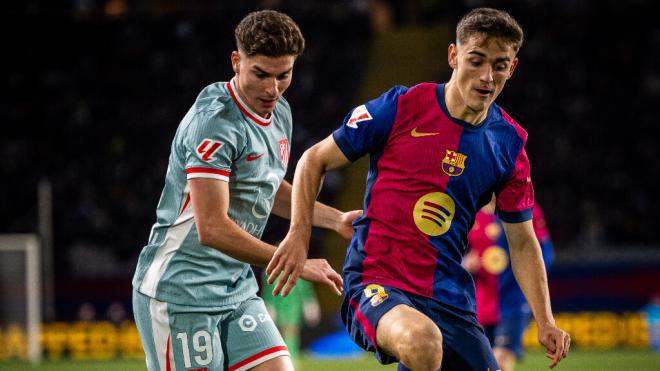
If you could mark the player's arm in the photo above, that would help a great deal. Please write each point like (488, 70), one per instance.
(529, 270)
(312, 166)
(210, 203)
(324, 216)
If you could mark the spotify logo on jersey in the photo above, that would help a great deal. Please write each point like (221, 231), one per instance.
(433, 213)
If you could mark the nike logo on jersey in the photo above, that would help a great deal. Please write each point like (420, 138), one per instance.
(417, 134)
(252, 157)
(360, 113)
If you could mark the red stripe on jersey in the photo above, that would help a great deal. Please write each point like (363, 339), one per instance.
(398, 253)
(540, 228)
(185, 204)
(481, 238)
(362, 319)
(257, 356)
(245, 111)
(207, 170)
(168, 366)
(519, 192)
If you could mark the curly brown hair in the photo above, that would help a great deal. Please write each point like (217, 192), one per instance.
(269, 33)
(492, 23)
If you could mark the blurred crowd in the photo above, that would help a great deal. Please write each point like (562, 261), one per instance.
(94, 102)
(586, 88)
(93, 92)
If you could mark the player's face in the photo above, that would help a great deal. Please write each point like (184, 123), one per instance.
(261, 80)
(481, 68)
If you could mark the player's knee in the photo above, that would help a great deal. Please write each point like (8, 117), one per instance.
(420, 347)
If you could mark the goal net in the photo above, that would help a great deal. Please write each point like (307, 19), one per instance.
(20, 297)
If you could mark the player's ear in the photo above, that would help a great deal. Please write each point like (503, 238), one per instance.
(452, 56)
(235, 61)
(512, 68)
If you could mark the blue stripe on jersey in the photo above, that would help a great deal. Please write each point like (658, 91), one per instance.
(516, 217)
(383, 111)
(373, 133)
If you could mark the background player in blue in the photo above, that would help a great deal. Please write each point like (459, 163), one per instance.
(194, 295)
(438, 152)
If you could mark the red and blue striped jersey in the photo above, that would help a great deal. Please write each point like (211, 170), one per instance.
(428, 176)
(484, 240)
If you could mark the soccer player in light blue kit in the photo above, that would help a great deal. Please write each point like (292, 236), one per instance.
(195, 295)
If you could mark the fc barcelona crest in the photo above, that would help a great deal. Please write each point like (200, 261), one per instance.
(454, 163)
(284, 152)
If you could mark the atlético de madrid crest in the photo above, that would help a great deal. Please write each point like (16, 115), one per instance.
(454, 163)
(284, 152)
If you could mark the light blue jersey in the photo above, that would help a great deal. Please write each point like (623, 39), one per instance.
(219, 138)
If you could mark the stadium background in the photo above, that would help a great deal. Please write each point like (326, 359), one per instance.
(93, 90)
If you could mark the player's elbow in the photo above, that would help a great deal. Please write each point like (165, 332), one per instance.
(209, 233)
(312, 158)
(204, 236)
(310, 155)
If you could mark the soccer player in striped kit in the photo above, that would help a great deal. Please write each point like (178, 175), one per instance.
(437, 154)
(195, 295)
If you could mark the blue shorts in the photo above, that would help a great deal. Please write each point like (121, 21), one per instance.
(489, 330)
(464, 345)
(509, 333)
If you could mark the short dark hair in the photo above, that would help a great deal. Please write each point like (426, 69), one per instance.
(269, 33)
(492, 23)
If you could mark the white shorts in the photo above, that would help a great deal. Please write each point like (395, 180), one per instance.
(233, 338)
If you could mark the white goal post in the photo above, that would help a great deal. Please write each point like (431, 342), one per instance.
(28, 297)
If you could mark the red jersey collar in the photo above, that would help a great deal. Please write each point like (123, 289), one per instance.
(247, 111)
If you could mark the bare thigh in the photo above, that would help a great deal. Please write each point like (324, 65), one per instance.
(404, 324)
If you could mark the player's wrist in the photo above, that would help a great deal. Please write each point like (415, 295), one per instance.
(546, 323)
(300, 234)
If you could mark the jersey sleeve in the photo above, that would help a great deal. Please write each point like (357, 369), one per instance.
(515, 199)
(366, 128)
(212, 143)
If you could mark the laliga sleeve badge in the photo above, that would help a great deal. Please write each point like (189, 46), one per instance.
(284, 151)
(207, 147)
(360, 113)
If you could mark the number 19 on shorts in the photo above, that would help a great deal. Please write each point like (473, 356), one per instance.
(201, 345)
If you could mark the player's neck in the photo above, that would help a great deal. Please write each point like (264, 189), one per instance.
(246, 102)
(458, 109)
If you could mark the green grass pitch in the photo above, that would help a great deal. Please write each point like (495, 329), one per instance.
(578, 360)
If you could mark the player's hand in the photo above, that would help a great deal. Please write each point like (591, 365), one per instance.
(318, 270)
(287, 263)
(556, 342)
(345, 226)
